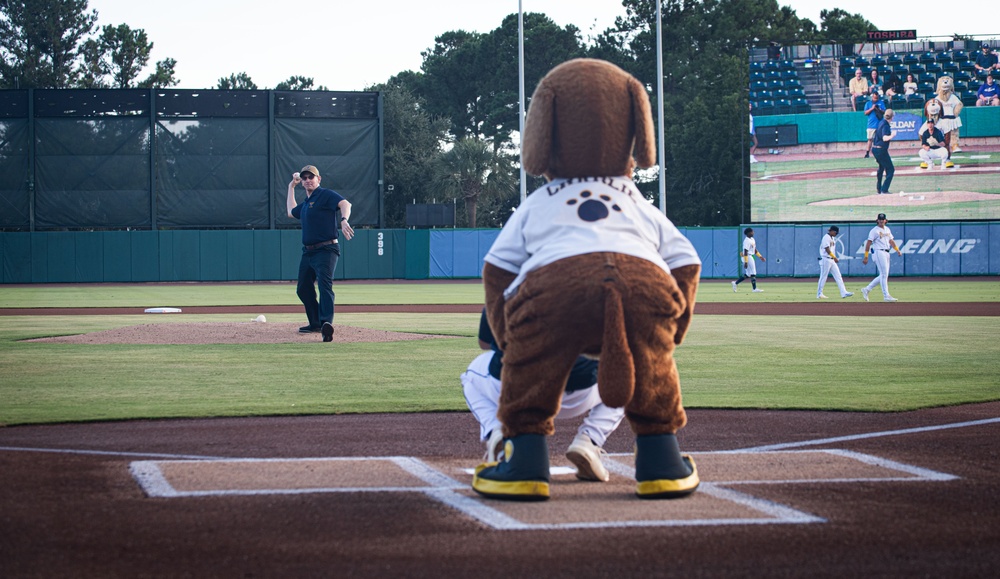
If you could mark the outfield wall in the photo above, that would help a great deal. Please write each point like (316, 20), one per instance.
(850, 126)
(930, 249)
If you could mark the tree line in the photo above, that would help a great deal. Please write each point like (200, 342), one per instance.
(451, 127)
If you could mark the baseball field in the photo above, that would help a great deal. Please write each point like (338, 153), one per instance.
(799, 187)
(833, 437)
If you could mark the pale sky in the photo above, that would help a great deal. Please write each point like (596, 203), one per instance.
(348, 45)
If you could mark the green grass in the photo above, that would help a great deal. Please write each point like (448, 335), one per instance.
(206, 294)
(777, 362)
(201, 294)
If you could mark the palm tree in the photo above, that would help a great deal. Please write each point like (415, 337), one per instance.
(471, 169)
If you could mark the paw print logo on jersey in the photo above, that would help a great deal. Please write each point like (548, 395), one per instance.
(591, 209)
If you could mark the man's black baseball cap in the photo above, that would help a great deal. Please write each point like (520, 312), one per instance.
(834, 229)
(881, 216)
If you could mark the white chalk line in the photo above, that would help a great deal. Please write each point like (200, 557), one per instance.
(852, 437)
(445, 489)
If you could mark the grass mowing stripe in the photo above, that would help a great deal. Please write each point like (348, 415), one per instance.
(263, 294)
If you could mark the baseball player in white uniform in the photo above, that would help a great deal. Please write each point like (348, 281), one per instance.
(749, 265)
(828, 264)
(481, 385)
(880, 241)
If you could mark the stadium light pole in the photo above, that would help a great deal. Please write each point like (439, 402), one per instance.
(520, 92)
(659, 98)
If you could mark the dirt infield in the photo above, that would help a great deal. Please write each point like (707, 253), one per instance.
(890, 495)
(784, 494)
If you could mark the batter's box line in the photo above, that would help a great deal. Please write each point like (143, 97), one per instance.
(150, 477)
(775, 513)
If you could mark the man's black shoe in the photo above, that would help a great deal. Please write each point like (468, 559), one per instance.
(309, 329)
(327, 332)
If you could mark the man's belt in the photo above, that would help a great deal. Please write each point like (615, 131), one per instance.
(948, 116)
(885, 250)
(321, 244)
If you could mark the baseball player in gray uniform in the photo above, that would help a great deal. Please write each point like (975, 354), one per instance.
(828, 264)
(880, 241)
(749, 265)
(481, 386)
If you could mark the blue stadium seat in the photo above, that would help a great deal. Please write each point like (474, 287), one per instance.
(756, 75)
(894, 59)
(789, 74)
(963, 75)
(758, 85)
(901, 70)
(780, 94)
(765, 107)
(756, 67)
(801, 106)
(772, 75)
(959, 56)
(878, 60)
(928, 57)
(969, 98)
(950, 67)
(943, 56)
(772, 65)
(797, 92)
(783, 107)
(898, 102)
(917, 69)
(775, 84)
(861, 61)
(911, 59)
(927, 77)
(793, 83)
(935, 68)
(961, 86)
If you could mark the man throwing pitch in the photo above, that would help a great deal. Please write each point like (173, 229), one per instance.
(828, 264)
(880, 241)
(320, 246)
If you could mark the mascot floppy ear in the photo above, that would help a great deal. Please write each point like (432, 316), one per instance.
(536, 142)
(644, 149)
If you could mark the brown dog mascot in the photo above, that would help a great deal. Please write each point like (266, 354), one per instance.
(587, 265)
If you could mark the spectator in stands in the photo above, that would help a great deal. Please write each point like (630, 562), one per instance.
(932, 146)
(859, 88)
(988, 93)
(874, 110)
(875, 83)
(910, 86)
(986, 62)
(773, 51)
(753, 137)
(891, 87)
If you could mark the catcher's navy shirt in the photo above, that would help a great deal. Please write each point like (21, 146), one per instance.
(318, 214)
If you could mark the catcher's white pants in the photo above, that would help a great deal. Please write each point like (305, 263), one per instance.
(881, 259)
(929, 156)
(827, 267)
(482, 394)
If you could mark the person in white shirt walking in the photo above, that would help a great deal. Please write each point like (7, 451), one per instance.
(880, 241)
(828, 261)
(749, 265)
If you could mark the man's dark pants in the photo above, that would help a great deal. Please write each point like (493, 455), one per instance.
(317, 267)
(884, 166)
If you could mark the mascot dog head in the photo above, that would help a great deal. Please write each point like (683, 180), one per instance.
(588, 118)
(932, 110)
(945, 86)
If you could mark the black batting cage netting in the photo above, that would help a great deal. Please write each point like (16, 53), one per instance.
(181, 159)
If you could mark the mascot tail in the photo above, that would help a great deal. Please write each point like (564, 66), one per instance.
(616, 372)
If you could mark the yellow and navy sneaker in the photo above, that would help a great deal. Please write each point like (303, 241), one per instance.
(661, 471)
(521, 475)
